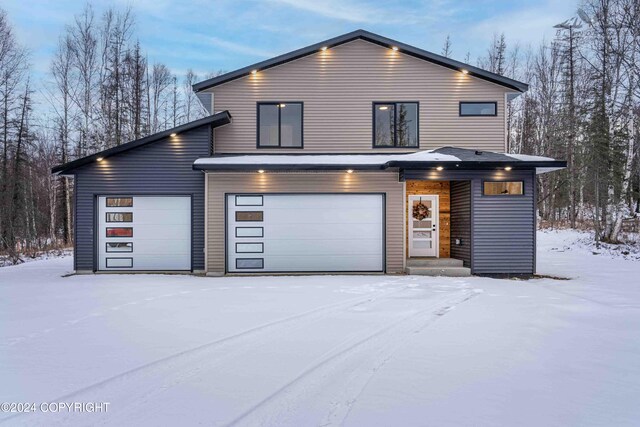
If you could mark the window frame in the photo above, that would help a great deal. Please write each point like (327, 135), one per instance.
(279, 146)
(495, 105)
(106, 217)
(504, 195)
(395, 116)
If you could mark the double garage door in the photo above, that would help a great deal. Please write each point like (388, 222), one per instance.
(305, 233)
(144, 233)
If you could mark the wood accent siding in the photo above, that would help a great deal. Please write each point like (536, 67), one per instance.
(503, 228)
(461, 221)
(338, 87)
(221, 183)
(442, 189)
(161, 168)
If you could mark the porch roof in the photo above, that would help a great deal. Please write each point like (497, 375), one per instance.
(446, 157)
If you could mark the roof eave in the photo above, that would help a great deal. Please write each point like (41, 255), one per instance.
(218, 119)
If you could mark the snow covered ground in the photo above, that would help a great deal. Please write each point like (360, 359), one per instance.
(327, 350)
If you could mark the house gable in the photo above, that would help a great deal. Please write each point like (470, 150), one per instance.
(338, 86)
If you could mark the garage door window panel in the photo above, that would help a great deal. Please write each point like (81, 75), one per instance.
(119, 216)
(249, 216)
(119, 262)
(119, 202)
(249, 263)
(119, 231)
(119, 247)
(249, 232)
(250, 248)
(249, 201)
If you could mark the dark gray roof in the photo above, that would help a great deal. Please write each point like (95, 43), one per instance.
(373, 38)
(214, 120)
(446, 157)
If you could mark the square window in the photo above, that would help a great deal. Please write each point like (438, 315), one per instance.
(395, 124)
(280, 124)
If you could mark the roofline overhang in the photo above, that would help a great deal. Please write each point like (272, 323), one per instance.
(215, 120)
(394, 164)
(370, 37)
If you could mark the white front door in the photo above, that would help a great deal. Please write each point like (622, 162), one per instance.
(423, 226)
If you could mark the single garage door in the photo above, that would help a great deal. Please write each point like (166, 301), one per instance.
(144, 233)
(305, 232)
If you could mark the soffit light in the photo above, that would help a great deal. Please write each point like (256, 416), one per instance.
(323, 48)
(254, 71)
(349, 170)
(173, 135)
(395, 48)
(260, 170)
(508, 168)
(100, 159)
(439, 168)
(463, 71)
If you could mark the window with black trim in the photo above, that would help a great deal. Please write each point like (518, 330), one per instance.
(503, 188)
(395, 124)
(119, 202)
(478, 109)
(119, 217)
(280, 125)
(249, 216)
(119, 232)
(249, 263)
(119, 247)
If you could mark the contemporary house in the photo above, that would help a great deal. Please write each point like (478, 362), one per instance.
(356, 154)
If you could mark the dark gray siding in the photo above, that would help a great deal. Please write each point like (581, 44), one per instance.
(163, 167)
(502, 227)
(461, 221)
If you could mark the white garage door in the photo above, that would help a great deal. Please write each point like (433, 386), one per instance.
(305, 232)
(144, 233)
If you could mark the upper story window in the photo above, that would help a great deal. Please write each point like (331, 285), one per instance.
(474, 108)
(280, 125)
(395, 124)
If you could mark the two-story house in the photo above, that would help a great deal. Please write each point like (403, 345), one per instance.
(356, 154)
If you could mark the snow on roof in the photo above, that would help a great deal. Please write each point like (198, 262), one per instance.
(528, 158)
(328, 159)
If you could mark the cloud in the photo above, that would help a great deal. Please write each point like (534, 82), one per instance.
(239, 48)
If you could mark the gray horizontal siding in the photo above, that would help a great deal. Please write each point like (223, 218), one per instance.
(160, 168)
(502, 227)
(461, 221)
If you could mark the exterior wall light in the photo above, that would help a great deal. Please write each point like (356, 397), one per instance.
(260, 170)
(349, 170)
(439, 168)
(508, 168)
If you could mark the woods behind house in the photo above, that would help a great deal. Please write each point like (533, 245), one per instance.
(101, 91)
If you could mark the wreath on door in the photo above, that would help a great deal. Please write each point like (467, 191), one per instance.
(421, 211)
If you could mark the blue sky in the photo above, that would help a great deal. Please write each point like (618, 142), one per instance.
(209, 35)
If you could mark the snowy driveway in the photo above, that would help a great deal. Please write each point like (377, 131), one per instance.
(326, 350)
